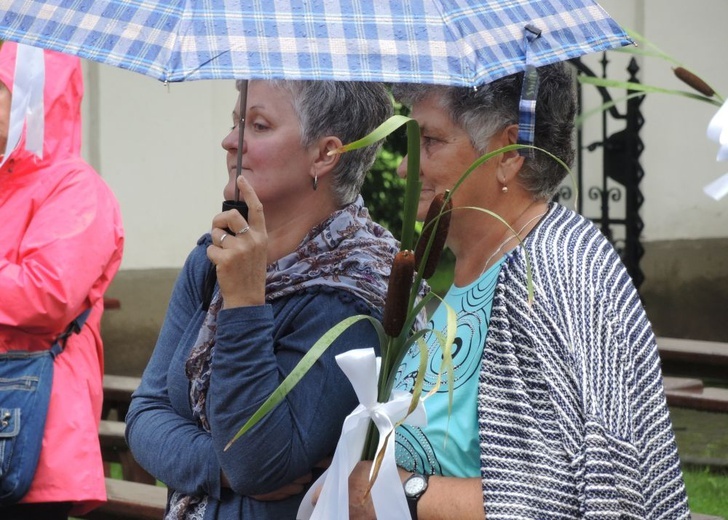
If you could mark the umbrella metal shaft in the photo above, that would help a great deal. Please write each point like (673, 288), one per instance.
(241, 133)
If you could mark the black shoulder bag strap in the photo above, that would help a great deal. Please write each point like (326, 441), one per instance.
(73, 328)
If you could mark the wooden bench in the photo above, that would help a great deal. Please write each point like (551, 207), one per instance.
(694, 351)
(111, 303)
(694, 358)
(701, 361)
(117, 395)
(136, 497)
(130, 501)
(684, 392)
(115, 449)
(683, 384)
(709, 399)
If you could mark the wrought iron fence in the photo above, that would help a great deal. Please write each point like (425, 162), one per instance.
(613, 198)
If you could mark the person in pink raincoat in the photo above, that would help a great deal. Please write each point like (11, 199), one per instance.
(61, 240)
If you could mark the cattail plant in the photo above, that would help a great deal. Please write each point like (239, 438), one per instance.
(437, 222)
(396, 306)
(694, 81)
(648, 49)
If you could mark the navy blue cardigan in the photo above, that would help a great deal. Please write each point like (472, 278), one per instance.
(256, 347)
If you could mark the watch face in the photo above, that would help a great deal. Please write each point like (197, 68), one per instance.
(415, 485)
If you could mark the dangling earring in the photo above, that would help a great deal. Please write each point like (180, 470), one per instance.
(504, 189)
(315, 182)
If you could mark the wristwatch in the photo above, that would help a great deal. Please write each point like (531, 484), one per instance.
(414, 487)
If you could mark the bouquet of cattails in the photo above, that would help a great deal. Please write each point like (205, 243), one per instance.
(402, 307)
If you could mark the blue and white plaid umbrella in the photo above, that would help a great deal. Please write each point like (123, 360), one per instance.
(447, 42)
(450, 42)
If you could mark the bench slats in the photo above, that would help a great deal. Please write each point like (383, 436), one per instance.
(111, 435)
(693, 350)
(118, 389)
(114, 449)
(685, 384)
(710, 399)
(130, 500)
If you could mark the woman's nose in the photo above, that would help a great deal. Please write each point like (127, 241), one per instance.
(231, 142)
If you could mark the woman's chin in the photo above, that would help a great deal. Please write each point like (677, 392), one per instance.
(229, 191)
(424, 205)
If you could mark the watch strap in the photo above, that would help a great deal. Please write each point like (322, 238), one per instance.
(412, 504)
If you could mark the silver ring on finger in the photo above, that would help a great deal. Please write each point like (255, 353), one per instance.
(243, 231)
(223, 237)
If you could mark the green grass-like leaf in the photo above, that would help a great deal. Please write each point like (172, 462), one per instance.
(446, 342)
(583, 116)
(379, 133)
(412, 188)
(645, 47)
(413, 184)
(649, 89)
(301, 369)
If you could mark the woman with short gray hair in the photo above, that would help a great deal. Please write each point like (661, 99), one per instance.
(557, 408)
(306, 257)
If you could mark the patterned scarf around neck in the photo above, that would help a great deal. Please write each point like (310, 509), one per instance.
(347, 251)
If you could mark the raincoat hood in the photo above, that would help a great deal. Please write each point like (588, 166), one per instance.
(62, 95)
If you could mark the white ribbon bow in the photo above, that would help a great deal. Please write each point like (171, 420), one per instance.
(361, 366)
(26, 106)
(718, 132)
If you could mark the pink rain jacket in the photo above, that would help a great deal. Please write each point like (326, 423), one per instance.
(61, 242)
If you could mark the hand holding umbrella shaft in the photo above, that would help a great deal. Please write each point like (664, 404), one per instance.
(240, 260)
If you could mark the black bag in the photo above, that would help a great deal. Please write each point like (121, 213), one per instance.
(25, 391)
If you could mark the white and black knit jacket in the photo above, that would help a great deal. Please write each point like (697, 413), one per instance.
(572, 412)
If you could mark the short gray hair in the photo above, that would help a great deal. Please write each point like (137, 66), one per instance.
(348, 110)
(490, 108)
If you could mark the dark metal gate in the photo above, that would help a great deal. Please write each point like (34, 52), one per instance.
(613, 199)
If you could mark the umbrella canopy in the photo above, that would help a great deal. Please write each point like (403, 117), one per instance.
(449, 42)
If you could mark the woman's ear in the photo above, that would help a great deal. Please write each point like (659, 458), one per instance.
(324, 162)
(510, 162)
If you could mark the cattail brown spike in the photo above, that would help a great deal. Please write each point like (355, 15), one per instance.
(693, 81)
(398, 293)
(443, 225)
